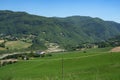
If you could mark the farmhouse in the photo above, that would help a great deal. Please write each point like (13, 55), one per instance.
(40, 52)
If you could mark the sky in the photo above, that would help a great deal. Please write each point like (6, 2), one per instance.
(104, 9)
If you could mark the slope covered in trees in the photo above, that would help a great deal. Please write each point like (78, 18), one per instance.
(68, 31)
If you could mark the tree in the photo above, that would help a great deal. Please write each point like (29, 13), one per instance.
(38, 44)
(2, 45)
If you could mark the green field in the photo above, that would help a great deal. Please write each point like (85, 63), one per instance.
(95, 64)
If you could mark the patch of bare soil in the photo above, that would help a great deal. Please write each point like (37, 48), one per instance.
(53, 47)
(116, 49)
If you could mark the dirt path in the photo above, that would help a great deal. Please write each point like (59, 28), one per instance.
(116, 49)
(8, 54)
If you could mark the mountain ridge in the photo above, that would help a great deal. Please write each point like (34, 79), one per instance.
(67, 31)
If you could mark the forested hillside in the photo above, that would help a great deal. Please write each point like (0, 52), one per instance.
(68, 31)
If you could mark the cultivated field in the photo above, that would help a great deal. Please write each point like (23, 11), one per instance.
(95, 64)
(17, 44)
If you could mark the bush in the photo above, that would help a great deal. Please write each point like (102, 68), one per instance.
(4, 63)
(10, 62)
(31, 54)
(49, 55)
(36, 55)
(84, 52)
(42, 55)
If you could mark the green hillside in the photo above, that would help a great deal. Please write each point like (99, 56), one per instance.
(76, 66)
(69, 31)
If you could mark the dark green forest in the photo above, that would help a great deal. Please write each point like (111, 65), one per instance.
(67, 32)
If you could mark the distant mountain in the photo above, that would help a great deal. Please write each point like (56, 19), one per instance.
(66, 31)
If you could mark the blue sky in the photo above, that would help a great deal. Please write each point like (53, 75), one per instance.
(105, 9)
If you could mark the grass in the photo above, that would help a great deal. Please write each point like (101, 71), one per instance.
(17, 44)
(94, 50)
(2, 48)
(76, 66)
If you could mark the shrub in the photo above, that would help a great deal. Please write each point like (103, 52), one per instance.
(49, 55)
(84, 52)
(42, 55)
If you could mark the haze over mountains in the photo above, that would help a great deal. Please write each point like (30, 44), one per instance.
(69, 30)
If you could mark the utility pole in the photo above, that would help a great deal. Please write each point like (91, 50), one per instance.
(62, 68)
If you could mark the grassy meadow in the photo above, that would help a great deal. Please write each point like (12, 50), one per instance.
(94, 64)
(17, 44)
